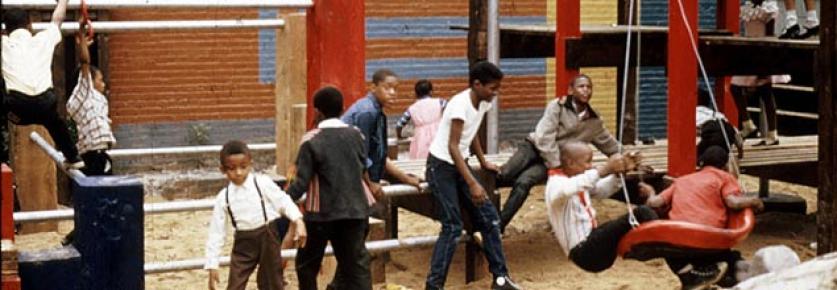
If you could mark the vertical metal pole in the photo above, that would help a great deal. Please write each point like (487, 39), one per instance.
(493, 135)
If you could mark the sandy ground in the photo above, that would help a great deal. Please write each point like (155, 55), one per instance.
(534, 257)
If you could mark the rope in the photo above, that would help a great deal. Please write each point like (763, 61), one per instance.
(631, 217)
(705, 79)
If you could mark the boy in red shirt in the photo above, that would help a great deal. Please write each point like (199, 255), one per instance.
(703, 197)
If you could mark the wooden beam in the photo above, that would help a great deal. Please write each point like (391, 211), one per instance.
(477, 26)
(727, 19)
(290, 86)
(682, 87)
(826, 82)
(567, 26)
(35, 176)
(336, 50)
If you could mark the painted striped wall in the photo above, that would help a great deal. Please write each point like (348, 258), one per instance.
(653, 94)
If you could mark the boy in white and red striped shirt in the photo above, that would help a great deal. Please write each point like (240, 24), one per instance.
(589, 245)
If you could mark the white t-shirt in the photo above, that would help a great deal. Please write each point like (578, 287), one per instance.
(27, 59)
(459, 107)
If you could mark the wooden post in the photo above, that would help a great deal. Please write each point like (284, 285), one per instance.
(567, 25)
(290, 86)
(298, 127)
(728, 19)
(336, 45)
(477, 25)
(826, 83)
(35, 176)
(682, 88)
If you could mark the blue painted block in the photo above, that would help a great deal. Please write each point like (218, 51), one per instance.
(109, 232)
(50, 269)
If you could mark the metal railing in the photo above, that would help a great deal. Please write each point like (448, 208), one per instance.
(177, 206)
(155, 4)
(160, 25)
(56, 156)
(371, 246)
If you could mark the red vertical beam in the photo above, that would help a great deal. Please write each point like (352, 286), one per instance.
(7, 226)
(682, 88)
(336, 49)
(728, 16)
(567, 25)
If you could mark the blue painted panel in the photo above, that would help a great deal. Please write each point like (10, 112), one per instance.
(400, 27)
(655, 12)
(653, 103)
(437, 68)
(267, 49)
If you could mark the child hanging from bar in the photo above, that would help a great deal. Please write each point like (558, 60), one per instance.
(253, 203)
(88, 107)
(331, 170)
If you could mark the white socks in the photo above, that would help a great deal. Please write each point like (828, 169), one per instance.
(772, 136)
(811, 19)
(747, 128)
(790, 18)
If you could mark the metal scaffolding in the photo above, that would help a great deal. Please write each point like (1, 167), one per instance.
(129, 26)
(148, 4)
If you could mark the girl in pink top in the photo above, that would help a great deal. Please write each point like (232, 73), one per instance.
(425, 114)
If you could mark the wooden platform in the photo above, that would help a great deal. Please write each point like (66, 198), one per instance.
(792, 151)
(604, 46)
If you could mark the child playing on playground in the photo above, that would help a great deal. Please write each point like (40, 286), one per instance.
(29, 98)
(425, 114)
(254, 203)
(88, 107)
(331, 170)
(704, 197)
(452, 182)
(591, 246)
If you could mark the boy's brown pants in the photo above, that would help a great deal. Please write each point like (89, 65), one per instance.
(256, 247)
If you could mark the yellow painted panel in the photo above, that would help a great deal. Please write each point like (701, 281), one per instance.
(604, 95)
(592, 11)
(550, 79)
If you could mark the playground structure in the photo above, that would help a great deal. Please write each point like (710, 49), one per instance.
(322, 40)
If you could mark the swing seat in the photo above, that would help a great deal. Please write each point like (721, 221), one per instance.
(677, 239)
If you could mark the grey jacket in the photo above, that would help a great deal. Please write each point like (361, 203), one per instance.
(560, 124)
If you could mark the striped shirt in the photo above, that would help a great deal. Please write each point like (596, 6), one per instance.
(568, 205)
(89, 109)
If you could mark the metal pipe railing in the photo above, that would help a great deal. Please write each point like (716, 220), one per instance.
(290, 254)
(55, 155)
(155, 4)
(149, 208)
(133, 26)
(178, 206)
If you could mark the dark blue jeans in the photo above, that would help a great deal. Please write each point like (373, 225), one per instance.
(450, 190)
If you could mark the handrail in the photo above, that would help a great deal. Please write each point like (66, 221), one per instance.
(55, 155)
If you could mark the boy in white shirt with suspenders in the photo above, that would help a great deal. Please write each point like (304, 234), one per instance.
(253, 203)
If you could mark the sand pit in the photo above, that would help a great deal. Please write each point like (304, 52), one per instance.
(535, 259)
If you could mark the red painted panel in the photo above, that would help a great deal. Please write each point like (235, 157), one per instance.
(567, 25)
(682, 88)
(336, 49)
(6, 219)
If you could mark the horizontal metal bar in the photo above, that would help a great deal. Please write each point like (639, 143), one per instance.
(183, 150)
(55, 155)
(810, 116)
(154, 4)
(290, 254)
(149, 208)
(134, 26)
(178, 206)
